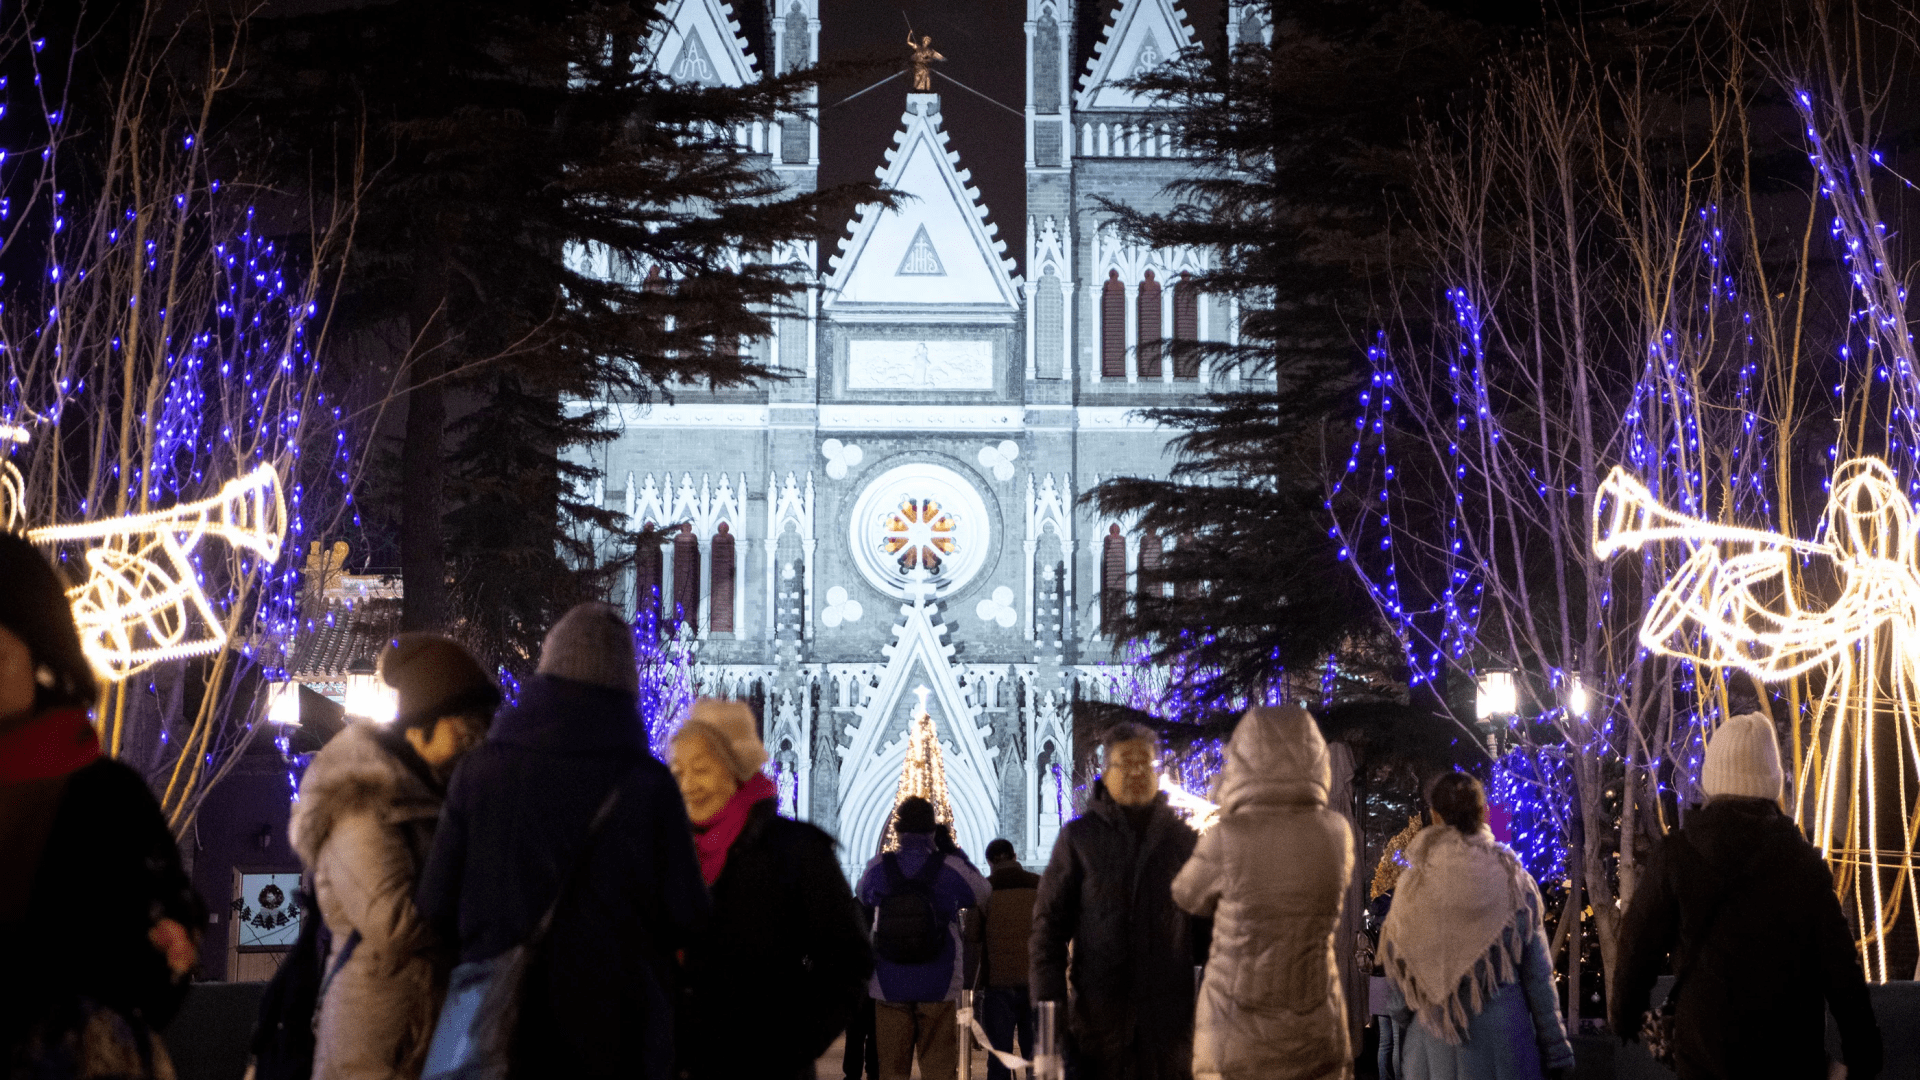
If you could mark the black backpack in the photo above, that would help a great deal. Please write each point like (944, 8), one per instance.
(907, 927)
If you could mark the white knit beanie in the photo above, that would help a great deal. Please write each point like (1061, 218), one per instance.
(1743, 758)
(592, 644)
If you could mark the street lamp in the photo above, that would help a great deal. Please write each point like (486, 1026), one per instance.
(284, 708)
(1495, 695)
(367, 695)
(1578, 700)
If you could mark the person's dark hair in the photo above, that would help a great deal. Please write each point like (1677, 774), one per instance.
(913, 815)
(1459, 800)
(1127, 731)
(34, 607)
(1000, 851)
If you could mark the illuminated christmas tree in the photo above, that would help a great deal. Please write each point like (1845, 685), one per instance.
(924, 773)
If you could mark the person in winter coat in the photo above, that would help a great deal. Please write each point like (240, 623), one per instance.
(101, 924)
(1107, 895)
(598, 1000)
(1466, 953)
(1006, 1010)
(785, 944)
(1745, 907)
(1275, 867)
(363, 825)
(914, 998)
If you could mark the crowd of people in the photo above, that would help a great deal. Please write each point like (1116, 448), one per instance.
(674, 924)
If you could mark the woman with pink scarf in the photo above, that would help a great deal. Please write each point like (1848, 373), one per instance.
(773, 979)
(1466, 954)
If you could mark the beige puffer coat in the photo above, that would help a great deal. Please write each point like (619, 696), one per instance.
(363, 826)
(1272, 872)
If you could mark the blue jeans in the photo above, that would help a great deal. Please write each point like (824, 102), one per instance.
(1005, 1012)
(1389, 1044)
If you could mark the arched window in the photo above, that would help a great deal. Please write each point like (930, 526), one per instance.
(1113, 328)
(1150, 560)
(720, 613)
(1186, 329)
(686, 577)
(1148, 309)
(1113, 579)
(646, 581)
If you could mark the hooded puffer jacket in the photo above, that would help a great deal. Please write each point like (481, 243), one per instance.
(1272, 873)
(363, 826)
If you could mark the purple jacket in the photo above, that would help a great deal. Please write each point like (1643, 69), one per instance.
(958, 886)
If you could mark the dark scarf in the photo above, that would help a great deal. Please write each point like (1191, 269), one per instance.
(56, 743)
(713, 838)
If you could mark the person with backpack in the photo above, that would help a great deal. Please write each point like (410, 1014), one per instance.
(1005, 1010)
(785, 943)
(101, 923)
(1745, 907)
(518, 839)
(1106, 901)
(363, 825)
(917, 894)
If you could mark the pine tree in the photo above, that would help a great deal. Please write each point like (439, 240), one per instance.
(543, 219)
(1298, 150)
(923, 774)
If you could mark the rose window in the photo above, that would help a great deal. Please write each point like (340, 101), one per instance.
(919, 527)
(919, 534)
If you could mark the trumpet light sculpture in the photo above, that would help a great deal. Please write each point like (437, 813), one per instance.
(1740, 600)
(142, 602)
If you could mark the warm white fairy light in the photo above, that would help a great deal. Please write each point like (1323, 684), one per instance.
(1199, 813)
(1736, 602)
(923, 773)
(142, 602)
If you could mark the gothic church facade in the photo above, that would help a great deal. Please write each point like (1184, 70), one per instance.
(903, 511)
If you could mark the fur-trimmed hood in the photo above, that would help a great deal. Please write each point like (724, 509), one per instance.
(353, 774)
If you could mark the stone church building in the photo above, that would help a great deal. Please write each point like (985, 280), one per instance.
(902, 512)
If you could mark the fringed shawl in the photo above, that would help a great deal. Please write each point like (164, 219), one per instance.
(1459, 925)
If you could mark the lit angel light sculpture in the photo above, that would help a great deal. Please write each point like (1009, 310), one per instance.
(1736, 602)
(142, 603)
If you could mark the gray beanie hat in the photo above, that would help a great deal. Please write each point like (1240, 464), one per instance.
(592, 644)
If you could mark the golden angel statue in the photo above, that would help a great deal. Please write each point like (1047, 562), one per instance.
(921, 62)
(1843, 610)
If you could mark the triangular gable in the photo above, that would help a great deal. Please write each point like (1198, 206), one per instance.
(887, 256)
(870, 767)
(1143, 35)
(699, 41)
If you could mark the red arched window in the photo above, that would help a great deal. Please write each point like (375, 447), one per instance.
(720, 613)
(1113, 328)
(686, 577)
(1150, 559)
(1113, 579)
(646, 580)
(1148, 308)
(1186, 329)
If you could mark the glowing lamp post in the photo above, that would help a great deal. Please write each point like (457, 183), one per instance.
(1495, 695)
(367, 696)
(284, 709)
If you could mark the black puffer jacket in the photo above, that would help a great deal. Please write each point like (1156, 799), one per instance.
(108, 870)
(1108, 891)
(784, 954)
(599, 997)
(1775, 958)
